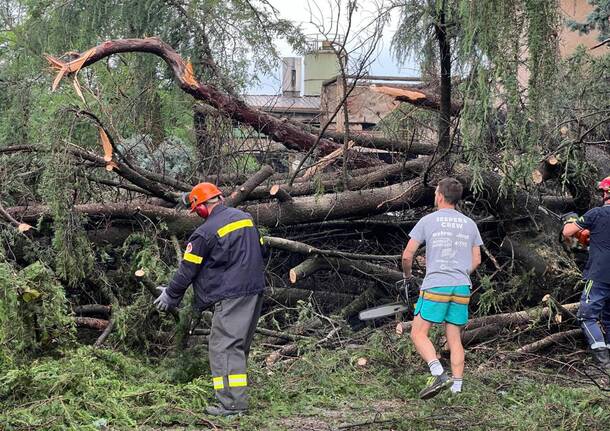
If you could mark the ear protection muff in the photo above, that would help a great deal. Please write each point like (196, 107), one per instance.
(202, 211)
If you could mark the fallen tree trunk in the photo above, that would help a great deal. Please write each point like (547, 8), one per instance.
(305, 209)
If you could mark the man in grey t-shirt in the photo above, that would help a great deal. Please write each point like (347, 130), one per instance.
(452, 252)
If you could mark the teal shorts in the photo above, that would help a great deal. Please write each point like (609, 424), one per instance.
(444, 304)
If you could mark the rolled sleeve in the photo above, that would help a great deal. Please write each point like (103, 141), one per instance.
(189, 268)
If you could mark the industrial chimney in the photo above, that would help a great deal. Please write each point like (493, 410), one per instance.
(291, 76)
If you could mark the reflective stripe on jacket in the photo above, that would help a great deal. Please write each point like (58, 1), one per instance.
(223, 259)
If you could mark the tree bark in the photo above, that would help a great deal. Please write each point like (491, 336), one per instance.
(246, 188)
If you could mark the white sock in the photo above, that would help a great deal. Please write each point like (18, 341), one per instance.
(457, 385)
(436, 369)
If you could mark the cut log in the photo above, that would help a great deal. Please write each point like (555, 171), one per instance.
(242, 192)
(306, 268)
(280, 193)
(91, 322)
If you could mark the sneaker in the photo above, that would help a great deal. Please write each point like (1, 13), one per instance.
(218, 410)
(435, 385)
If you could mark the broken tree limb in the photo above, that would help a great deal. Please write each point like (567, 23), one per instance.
(360, 139)
(302, 248)
(417, 95)
(100, 340)
(333, 206)
(242, 192)
(549, 340)
(21, 227)
(355, 268)
(325, 161)
(291, 136)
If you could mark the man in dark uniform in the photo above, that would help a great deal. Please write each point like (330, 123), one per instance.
(224, 262)
(594, 311)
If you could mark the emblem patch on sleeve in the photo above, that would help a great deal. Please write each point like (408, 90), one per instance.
(189, 247)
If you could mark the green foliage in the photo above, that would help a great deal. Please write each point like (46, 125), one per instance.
(60, 187)
(34, 314)
(88, 389)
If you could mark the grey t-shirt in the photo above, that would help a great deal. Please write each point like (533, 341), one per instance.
(449, 237)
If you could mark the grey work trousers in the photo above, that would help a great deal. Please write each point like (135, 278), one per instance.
(233, 327)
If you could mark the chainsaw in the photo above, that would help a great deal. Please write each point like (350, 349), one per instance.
(580, 241)
(387, 310)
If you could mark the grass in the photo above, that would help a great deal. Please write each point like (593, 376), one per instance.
(325, 389)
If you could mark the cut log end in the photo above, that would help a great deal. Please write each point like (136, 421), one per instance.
(293, 276)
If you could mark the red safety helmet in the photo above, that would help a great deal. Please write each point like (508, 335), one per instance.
(200, 194)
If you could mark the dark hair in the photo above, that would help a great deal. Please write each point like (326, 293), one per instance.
(451, 189)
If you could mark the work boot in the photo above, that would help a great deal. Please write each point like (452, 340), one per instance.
(602, 357)
(435, 385)
(219, 410)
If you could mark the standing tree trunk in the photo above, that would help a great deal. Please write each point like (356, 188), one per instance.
(444, 119)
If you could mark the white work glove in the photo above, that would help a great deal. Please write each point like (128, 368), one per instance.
(163, 302)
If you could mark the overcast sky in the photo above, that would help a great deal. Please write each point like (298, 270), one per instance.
(303, 12)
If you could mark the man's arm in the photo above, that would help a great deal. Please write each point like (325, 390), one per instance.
(476, 258)
(189, 268)
(407, 257)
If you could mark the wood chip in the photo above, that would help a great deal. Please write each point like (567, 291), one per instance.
(362, 362)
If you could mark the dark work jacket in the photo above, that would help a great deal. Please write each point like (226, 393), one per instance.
(223, 259)
(597, 220)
